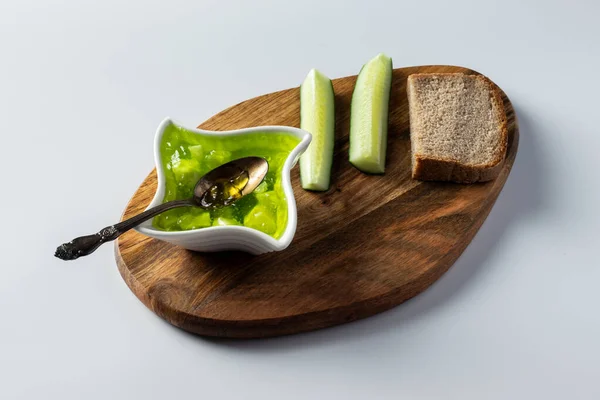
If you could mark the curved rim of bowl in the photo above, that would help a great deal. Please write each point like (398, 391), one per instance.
(305, 137)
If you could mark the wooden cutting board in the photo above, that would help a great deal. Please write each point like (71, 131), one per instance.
(368, 244)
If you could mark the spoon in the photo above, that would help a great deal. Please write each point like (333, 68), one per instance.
(218, 188)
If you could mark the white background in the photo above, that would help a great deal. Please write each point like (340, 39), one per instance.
(83, 86)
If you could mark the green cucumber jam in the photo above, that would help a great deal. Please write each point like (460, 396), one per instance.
(187, 156)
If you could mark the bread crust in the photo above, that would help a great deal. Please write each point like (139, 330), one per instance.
(438, 169)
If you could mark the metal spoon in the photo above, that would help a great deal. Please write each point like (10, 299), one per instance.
(218, 188)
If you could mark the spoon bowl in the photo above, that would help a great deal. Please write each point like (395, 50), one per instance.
(230, 182)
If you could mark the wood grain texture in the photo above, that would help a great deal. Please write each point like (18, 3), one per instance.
(368, 244)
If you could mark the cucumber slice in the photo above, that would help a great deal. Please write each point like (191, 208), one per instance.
(317, 116)
(369, 115)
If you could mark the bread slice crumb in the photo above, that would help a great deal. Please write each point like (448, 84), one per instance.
(458, 127)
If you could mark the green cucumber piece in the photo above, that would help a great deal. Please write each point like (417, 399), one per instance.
(216, 158)
(222, 221)
(263, 187)
(268, 199)
(190, 221)
(369, 115)
(196, 151)
(186, 171)
(317, 116)
(262, 218)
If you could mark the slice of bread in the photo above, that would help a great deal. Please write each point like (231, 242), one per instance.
(458, 128)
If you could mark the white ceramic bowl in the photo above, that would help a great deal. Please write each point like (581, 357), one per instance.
(218, 238)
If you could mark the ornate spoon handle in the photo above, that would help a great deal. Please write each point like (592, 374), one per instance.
(84, 245)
